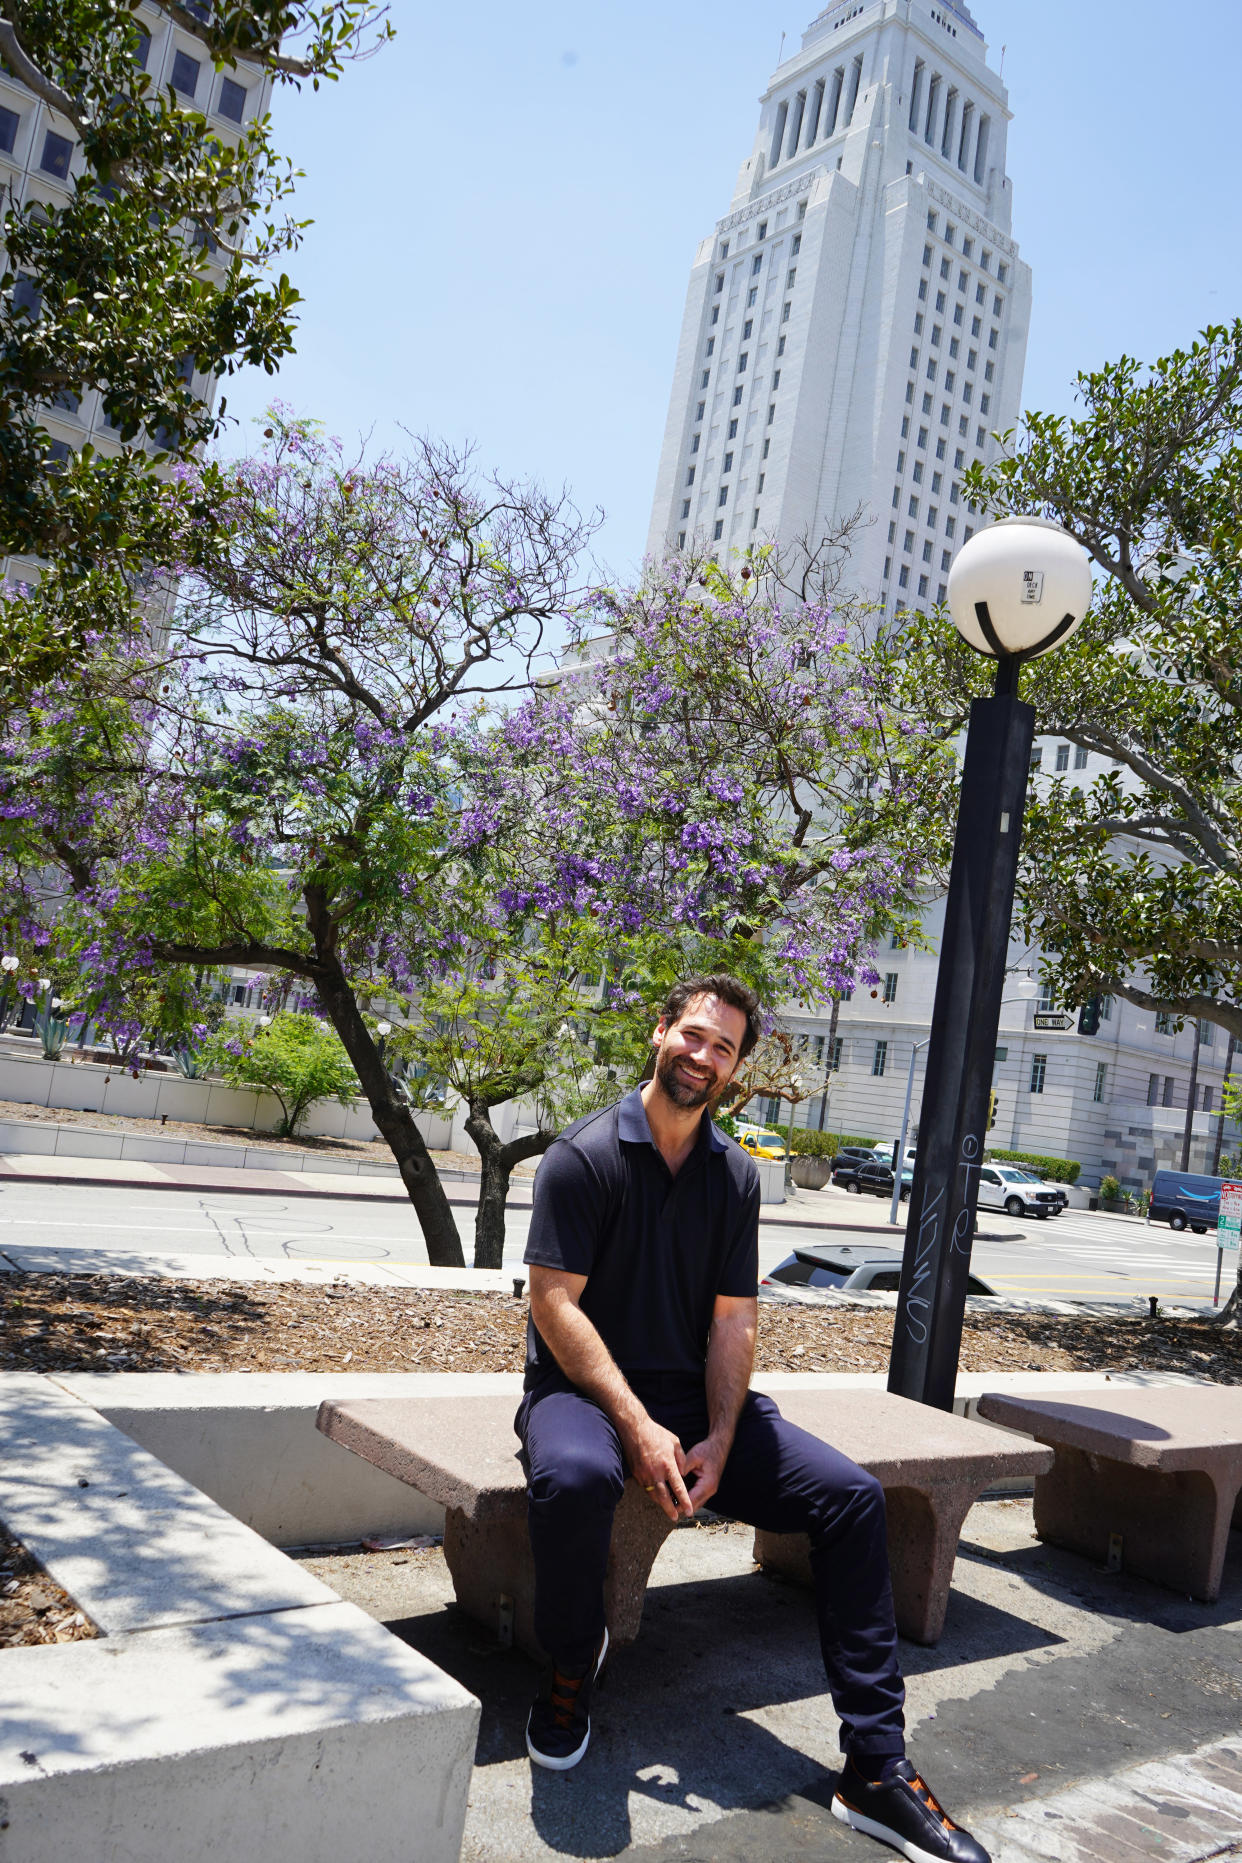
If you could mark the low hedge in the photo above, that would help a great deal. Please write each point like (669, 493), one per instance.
(1059, 1170)
(807, 1143)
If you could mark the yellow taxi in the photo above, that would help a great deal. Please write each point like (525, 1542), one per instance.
(760, 1142)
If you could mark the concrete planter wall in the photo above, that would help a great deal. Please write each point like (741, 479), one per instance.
(811, 1173)
(91, 1087)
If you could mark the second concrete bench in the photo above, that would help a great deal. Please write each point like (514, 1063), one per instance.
(462, 1452)
(1148, 1479)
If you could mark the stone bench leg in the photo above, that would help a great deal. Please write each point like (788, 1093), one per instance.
(491, 1562)
(1174, 1528)
(923, 1530)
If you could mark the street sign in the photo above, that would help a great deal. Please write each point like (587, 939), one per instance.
(1052, 1019)
(1229, 1222)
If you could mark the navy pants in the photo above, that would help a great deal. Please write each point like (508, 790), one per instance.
(777, 1477)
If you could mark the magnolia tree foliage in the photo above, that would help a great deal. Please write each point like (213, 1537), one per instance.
(293, 1055)
(111, 290)
(318, 782)
(1131, 879)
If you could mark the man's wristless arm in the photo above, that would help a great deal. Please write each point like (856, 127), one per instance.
(730, 1362)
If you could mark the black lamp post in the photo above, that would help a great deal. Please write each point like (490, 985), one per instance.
(1017, 589)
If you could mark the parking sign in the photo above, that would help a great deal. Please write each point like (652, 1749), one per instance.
(1229, 1222)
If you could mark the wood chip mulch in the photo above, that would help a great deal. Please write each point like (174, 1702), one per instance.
(33, 1607)
(96, 1322)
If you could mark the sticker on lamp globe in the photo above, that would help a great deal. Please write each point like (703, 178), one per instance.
(1032, 585)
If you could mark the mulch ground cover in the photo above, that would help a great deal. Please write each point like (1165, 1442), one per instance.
(94, 1322)
(33, 1608)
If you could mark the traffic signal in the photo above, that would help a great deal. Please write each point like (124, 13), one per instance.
(1089, 1017)
(993, 1097)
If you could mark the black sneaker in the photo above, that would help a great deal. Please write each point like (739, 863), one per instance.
(903, 1812)
(558, 1729)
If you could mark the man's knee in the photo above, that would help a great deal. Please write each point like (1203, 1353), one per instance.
(577, 1480)
(849, 1496)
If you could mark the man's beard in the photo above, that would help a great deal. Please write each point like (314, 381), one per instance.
(680, 1092)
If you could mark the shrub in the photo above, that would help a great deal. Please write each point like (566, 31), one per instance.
(1059, 1170)
(1110, 1189)
(808, 1143)
(297, 1057)
(726, 1123)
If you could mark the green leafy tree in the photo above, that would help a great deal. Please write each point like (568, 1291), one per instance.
(292, 1055)
(155, 278)
(1131, 876)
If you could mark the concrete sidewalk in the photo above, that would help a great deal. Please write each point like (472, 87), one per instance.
(1069, 1715)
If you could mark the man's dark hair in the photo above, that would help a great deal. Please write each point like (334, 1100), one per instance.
(726, 989)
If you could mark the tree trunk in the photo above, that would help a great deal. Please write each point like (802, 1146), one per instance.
(497, 1162)
(393, 1119)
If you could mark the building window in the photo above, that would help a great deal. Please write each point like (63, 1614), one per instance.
(1206, 1034)
(795, 248)
(681, 540)
(922, 587)
(57, 151)
(771, 413)
(908, 542)
(720, 281)
(879, 1060)
(1106, 1009)
(1207, 1099)
(1002, 272)
(927, 549)
(785, 310)
(185, 72)
(756, 263)
(1039, 1072)
(723, 498)
(1101, 1080)
(685, 508)
(789, 282)
(890, 986)
(1153, 1089)
(776, 379)
(914, 507)
(715, 313)
(724, 248)
(741, 361)
(767, 447)
(918, 472)
(1037, 758)
(711, 344)
(733, 429)
(718, 532)
(728, 463)
(1166, 1097)
(759, 487)
(694, 442)
(1080, 757)
(9, 123)
(689, 475)
(922, 291)
(1046, 1001)
(232, 100)
(1164, 1022)
(922, 440)
(701, 411)
(903, 576)
(747, 328)
(705, 378)
(754, 520)
(780, 346)
(1063, 756)
(737, 397)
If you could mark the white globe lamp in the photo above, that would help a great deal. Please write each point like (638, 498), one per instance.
(1019, 587)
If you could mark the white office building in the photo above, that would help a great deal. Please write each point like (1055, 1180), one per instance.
(855, 327)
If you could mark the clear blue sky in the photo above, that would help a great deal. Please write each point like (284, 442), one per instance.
(506, 202)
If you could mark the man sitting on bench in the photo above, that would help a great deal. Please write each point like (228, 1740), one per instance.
(643, 1257)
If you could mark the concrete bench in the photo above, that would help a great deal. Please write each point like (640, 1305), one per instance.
(1148, 1479)
(462, 1453)
(932, 1467)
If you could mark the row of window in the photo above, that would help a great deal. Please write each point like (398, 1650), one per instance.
(968, 246)
(1166, 1093)
(1062, 758)
(816, 113)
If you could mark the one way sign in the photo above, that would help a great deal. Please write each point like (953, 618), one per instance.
(1053, 1019)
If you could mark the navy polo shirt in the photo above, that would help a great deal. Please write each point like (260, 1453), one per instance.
(656, 1249)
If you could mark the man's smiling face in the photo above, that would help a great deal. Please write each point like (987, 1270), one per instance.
(697, 1056)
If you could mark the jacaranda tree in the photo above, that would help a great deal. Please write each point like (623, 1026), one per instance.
(333, 776)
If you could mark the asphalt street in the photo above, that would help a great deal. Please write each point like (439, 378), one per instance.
(1076, 1256)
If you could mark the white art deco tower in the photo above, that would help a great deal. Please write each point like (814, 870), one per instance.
(855, 328)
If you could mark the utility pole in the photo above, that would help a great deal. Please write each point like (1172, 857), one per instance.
(1191, 1094)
